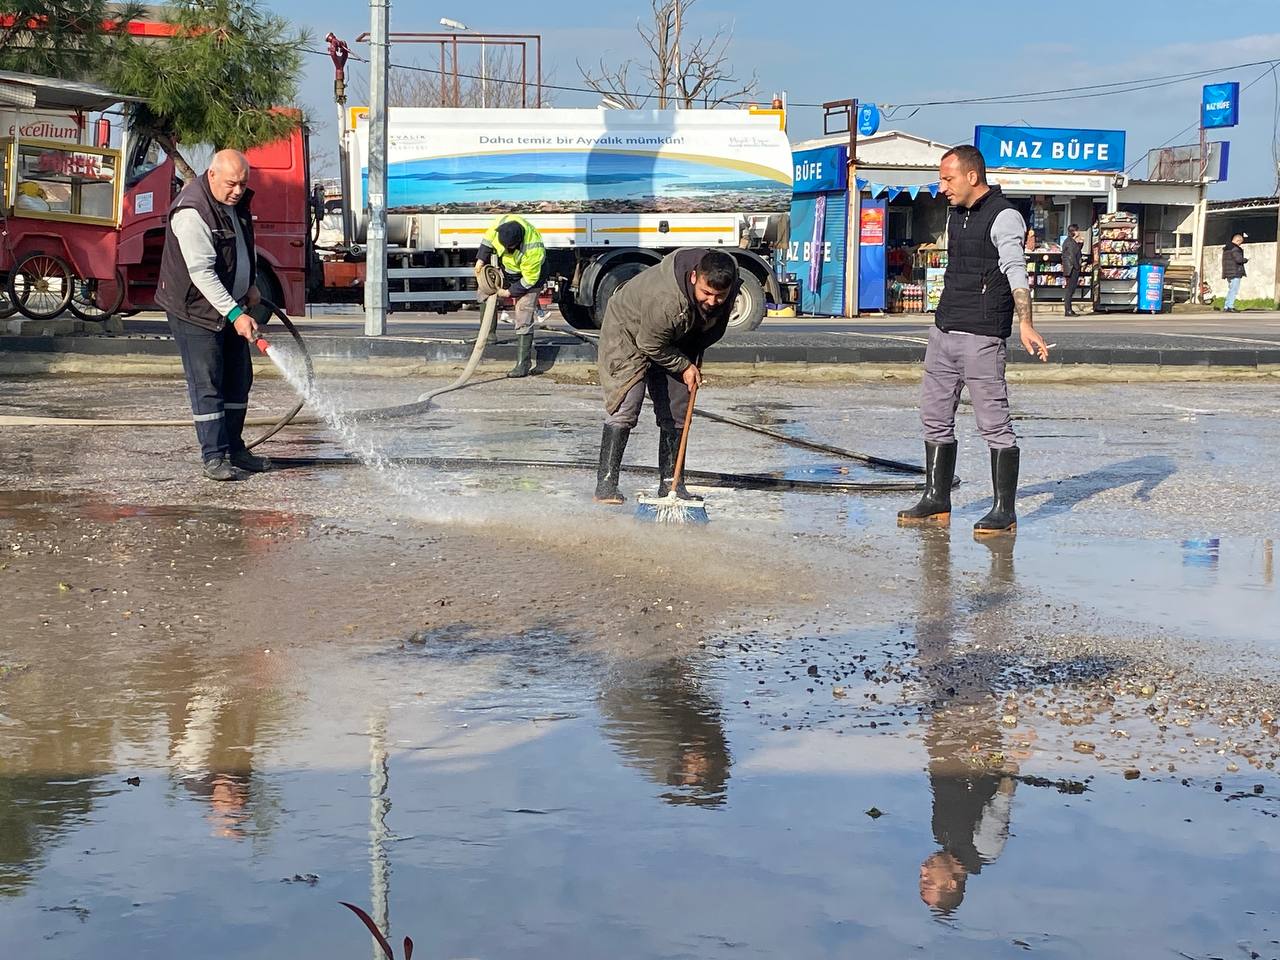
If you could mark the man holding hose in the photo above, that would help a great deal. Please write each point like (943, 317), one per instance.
(655, 330)
(206, 287)
(522, 256)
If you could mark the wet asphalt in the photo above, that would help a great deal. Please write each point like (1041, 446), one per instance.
(508, 722)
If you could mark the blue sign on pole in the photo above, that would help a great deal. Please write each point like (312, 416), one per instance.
(820, 171)
(1046, 148)
(1220, 105)
(868, 119)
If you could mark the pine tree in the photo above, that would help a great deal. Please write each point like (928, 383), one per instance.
(68, 39)
(219, 80)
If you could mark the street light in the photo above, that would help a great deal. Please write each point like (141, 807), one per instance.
(611, 104)
(449, 24)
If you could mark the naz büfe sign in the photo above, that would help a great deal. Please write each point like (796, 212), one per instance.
(1051, 148)
(1220, 105)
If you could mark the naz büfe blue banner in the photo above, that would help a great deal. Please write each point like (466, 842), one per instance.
(1051, 148)
(1220, 105)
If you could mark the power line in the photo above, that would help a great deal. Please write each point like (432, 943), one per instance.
(1098, 89)
(1085, 92)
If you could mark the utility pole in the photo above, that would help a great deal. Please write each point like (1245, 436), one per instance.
(375, 281)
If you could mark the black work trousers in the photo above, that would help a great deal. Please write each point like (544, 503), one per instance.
(219, 373)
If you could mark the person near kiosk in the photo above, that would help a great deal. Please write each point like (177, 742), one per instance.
(1071, 263)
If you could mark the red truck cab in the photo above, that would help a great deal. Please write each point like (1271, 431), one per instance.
(280, 179)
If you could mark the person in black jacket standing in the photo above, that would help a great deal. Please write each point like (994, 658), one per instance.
(984, 286)
(1233, 261)
(1071, 267)
(206, 286)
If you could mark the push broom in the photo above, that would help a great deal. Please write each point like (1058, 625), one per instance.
(673, 508)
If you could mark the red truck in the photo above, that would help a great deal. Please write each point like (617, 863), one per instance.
(284, 213)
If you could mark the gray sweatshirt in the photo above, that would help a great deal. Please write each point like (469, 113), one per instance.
(196, 243)
(1009, 234)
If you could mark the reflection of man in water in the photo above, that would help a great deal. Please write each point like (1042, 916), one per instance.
(666, 726)
(969, 773)
(212, 753)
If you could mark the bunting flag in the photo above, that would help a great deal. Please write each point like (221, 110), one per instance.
(913, 190)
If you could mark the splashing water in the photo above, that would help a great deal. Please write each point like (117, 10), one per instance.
(353, 438)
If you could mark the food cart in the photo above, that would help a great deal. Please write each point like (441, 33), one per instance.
(62, 197)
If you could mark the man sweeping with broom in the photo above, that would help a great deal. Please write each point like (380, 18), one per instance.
(655, 330)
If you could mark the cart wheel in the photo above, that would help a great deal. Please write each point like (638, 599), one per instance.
(7, 309)
(40, 286)
(96, 299)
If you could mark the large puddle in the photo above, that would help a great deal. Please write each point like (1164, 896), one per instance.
(222, 717)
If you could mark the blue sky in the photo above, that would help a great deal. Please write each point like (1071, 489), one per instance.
(898, 53)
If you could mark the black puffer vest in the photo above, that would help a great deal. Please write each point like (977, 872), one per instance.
(976, 297)
(176, 293)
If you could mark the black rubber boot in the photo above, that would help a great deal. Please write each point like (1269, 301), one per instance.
(524, 356)
(939, 473)
(668, 451)
(1004, 478)
(612, 446)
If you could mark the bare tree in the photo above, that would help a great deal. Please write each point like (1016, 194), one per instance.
(700, 76)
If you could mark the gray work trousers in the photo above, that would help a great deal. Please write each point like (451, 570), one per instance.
(953, 361)
(524, 312)
(670, 401)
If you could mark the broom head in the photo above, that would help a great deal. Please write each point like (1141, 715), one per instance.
(671, 509)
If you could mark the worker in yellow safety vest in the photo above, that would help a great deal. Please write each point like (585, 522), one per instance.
(522, 259)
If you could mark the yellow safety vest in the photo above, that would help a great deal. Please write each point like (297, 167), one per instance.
(527, 258)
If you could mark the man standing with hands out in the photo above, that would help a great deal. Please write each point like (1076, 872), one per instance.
(984, 286)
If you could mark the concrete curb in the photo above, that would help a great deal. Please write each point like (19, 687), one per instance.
(563, 359)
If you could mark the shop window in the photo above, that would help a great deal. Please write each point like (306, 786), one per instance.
(63, 181)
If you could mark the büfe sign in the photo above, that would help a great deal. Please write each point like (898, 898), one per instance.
(821, 170)
(467, 161)
(1051, 148)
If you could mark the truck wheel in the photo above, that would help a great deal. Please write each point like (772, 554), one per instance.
(268, 286)
(578, 316)
(612, 281)
(749, 307)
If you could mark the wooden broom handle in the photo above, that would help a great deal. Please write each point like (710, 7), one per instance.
(684, 438)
